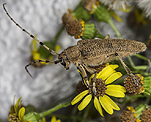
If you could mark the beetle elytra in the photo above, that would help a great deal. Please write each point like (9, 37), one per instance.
(91, 52)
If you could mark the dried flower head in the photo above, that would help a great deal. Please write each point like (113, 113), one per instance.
(129, 115)
(131, 86)
(89, 5)
(146, 115)
(68, 17)
(75, 28)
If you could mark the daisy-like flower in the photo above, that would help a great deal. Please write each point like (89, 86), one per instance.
(17, 112)
(100, 89)
(39, 53)
(131, 86)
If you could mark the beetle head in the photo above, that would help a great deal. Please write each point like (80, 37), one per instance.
(63, 59)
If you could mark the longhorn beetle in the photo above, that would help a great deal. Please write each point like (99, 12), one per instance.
(91, 52)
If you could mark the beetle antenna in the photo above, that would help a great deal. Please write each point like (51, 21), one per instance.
(38, 61)
(32, 36)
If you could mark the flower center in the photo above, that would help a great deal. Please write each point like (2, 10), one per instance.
(97, 87)
(132, 87)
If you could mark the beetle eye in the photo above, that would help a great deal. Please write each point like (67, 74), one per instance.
(63, 62)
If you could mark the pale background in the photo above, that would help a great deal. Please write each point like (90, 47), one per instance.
(50, 83)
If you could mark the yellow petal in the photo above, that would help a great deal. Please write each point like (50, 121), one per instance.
(58, 120)
(117, 87)
(21, 113)
(16, 107)
(115, 90)
(36, 56)
(98, 106)
(113, 77)
(57, 48)
(85, 102)
(106, 72)
(113, 104)
(107, 107)
(91, 77)
(43, 120)
(53, 119)
(79, 97)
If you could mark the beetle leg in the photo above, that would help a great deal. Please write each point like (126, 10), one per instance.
(107, 36)
(81, 68)
(127, 69)
(94, 88)
(92, 71)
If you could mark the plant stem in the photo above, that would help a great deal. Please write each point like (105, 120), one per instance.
(141, 57)
(128, 98)
(136, 67)
(54, 40)
(54, 109)
(114, 28)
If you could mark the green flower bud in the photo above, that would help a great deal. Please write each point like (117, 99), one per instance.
(147, 85)
(101, 13)
(81, 13)
(139, 109)
(90, 32)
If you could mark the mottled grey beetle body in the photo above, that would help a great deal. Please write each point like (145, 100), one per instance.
(94, 52)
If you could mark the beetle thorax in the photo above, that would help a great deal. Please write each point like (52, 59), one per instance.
(71, 54)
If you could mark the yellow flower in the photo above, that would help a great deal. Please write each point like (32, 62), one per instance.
(53, 119)
(17, 112)
(100, 89)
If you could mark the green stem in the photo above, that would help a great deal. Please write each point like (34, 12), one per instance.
(114, 28)
(54, 40)
(141, 57)
(136, 67)
(128, 98)
(54, 109)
